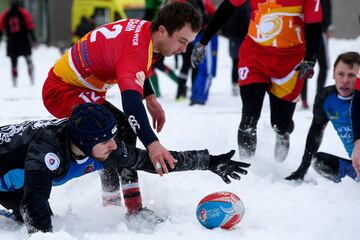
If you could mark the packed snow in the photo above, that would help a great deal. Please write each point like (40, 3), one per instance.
(275, 209)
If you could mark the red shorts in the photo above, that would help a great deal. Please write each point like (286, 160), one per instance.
(60, 98)
(275, 66)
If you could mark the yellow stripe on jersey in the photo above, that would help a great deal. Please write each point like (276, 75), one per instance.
(288, 11)
(63, 70)
(66, 73)
(150, 54)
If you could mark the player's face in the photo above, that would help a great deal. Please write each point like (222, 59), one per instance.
(345, 77)
(101, 151)
(177, 42)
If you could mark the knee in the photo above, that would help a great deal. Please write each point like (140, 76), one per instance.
(129, 175)
(325, 166)
(318, 161)
(248, 121)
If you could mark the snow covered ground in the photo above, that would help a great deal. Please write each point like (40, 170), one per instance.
(275, 208)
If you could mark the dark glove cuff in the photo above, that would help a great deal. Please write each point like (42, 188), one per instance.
(191, 160)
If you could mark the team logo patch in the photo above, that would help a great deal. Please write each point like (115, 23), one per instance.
(52, 161)
(133, 123)
(140, 78)
(88, 169)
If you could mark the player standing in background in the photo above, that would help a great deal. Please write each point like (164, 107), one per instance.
(186, 63)
(202, 76)
(19, 28)
(276, 56)
(121, 53)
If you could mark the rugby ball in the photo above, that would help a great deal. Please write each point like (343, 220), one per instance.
(220, 209)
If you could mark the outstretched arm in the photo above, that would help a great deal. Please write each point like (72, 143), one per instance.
(222, 165)
(314, 137)
(313, 141)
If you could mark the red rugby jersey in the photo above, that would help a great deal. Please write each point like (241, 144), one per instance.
(116, 53)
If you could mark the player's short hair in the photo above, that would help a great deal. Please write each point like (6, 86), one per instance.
(175, 16)
(349, 58)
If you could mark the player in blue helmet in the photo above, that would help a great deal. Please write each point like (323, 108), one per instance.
(52, 152)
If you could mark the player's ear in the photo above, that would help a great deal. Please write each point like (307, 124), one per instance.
(162, 29)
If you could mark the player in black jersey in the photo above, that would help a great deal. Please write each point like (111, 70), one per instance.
(36, 155)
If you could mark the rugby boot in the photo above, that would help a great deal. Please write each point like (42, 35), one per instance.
(143, 218)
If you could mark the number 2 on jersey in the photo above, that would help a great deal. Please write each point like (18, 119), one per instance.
(108, 34)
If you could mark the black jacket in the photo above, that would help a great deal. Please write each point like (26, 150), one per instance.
(42, 149)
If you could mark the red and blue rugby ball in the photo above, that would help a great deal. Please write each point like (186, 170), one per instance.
(220, 209)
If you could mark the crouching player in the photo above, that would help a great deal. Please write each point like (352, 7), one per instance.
(332, 104)
(36, 155)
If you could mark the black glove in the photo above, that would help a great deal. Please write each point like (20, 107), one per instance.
(223, 166)
(306, 69)
(198, 54)
(299, 174)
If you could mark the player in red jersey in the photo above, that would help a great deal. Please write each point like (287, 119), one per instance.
(276, 56)
(17, 23)
(355, 118)
(121, 53)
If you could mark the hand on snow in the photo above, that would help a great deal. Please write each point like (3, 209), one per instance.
(297, 175)
(223, 166)
(306, 69)
(198, 54)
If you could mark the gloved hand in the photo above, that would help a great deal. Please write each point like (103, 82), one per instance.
(299, 174)
(223, 166)
(198, 54)
(306, 69)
